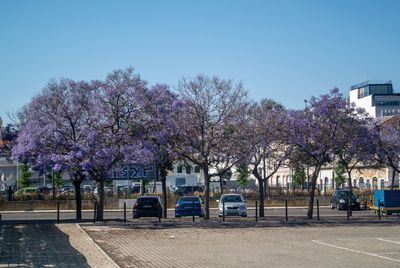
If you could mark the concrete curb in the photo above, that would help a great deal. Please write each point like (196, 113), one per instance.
(114, 264)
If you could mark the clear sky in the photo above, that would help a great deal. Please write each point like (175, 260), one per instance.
(284, 50)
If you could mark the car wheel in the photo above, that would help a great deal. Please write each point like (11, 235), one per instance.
(244, 216)
(177, 216)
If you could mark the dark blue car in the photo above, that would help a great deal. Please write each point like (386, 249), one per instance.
(189, 206)
(148, 206)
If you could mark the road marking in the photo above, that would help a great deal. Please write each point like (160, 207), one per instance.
(389, 241)
(356, 251)
(352, 239)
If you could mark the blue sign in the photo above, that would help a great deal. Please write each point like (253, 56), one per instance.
(133, 172)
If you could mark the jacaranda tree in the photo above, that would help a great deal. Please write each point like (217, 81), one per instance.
(209, 123)
(313, 135)
(386, 136)
(267, 137)
(160, 108)
(355, 145)
(53, 131)
(115, 128)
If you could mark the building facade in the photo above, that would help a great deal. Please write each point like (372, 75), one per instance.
(377, 98)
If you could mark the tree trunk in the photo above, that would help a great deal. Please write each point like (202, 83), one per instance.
(393, 178)
(350, 194)
(260, 191)
(221, 184)
(163, 177)
(100, 200)
(154, 186)
(312, 192)
(206, 192)
(53, 189)
(261, 196)
(78, 197)
(142, 187)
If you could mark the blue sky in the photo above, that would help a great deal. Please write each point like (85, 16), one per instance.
(284, 50)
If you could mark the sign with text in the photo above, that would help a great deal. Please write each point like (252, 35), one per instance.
(134, 172)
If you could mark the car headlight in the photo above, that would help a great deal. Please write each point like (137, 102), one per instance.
(242, 207)
(342, 201)
(357, 200)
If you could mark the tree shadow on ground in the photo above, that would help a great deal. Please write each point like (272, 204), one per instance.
(37, 245)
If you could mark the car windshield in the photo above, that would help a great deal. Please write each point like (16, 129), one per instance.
(189, 199)
(345, 194)
(147, 201)
(232, 198)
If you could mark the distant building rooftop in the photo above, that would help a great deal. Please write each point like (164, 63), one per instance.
(371, 82)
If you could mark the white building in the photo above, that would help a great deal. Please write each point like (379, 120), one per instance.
(185, 174)
(377, 98)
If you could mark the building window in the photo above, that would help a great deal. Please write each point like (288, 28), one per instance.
(179, 169)
(180, 181)
(387, 103)
(361, 182)
(196, 169)
(188, 169)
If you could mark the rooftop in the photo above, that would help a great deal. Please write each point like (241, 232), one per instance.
(371, 82)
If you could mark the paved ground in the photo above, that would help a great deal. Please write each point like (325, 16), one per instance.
(376, 245)
(48, 245)
(239, 242)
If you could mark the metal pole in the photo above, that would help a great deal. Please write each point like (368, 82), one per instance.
(256, 212)
(94, 212)
(318, 209)
(286, 211)
(193, 210)
(58, 211)
(223, 210)
(124, 212)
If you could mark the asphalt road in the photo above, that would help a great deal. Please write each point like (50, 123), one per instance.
(118, 214)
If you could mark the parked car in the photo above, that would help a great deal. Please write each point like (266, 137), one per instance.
(186, 189)
(147, 206)
(340, 200)
(189, 206)
(65, 190)
(86, 189)
(107, 190)
(234, 205)
(123, 190)
(27, 190)
(45, 190)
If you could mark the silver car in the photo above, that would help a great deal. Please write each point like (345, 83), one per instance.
(234, 205)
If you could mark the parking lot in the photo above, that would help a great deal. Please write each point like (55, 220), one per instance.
(270, 213)
(297, 246)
